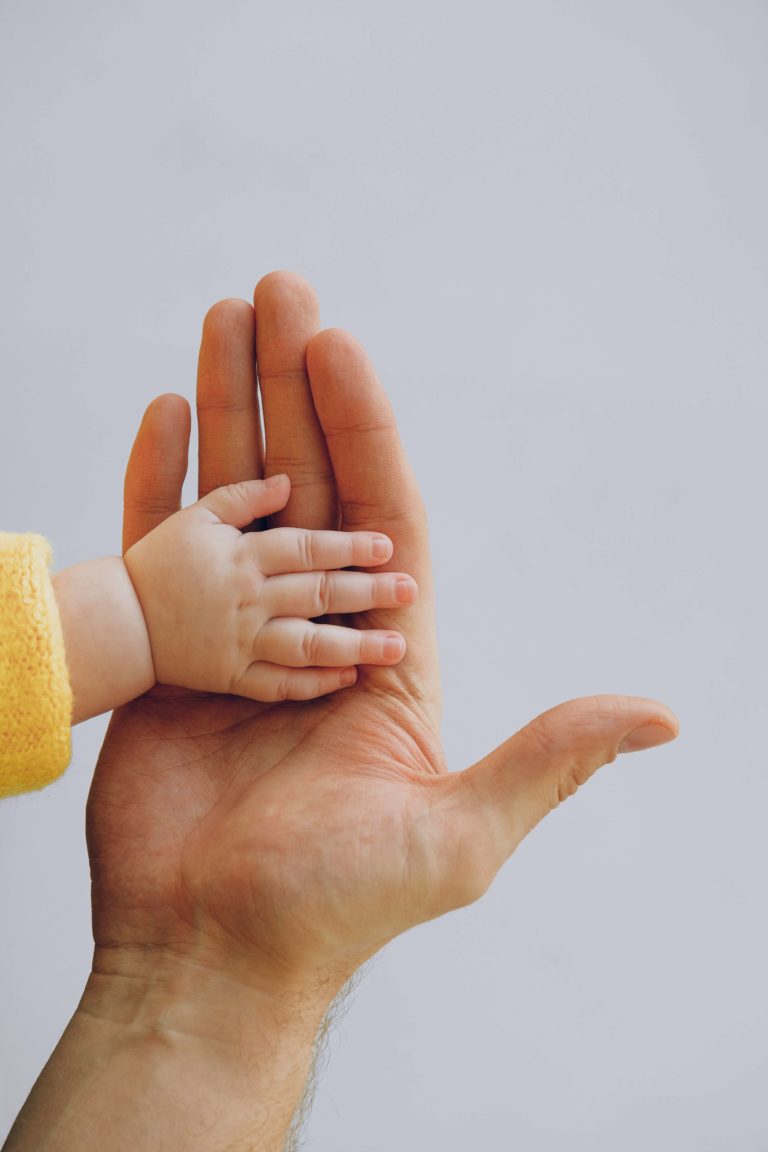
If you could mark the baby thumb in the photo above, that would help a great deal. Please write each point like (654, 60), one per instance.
(240, 504)
(504, 795)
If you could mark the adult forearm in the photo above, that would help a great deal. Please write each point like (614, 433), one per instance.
(168, 1054)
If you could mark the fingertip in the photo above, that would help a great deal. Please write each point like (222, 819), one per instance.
(226, 316)
(169, 402)
(156, 467)
(240, 504)
(394, 647)
(332, 345)
(649, 735)
(381, 547)
(283, 285)
(167, 415)
(279, 480)
(275, 493)
(406, 590)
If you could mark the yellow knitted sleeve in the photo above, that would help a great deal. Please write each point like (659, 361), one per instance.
(35, 696)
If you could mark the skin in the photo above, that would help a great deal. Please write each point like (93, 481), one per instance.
(248, 857)
(201, 603)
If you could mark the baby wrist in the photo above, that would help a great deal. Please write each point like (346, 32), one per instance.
(105, 636)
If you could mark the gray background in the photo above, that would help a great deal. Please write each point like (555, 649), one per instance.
(547, 223)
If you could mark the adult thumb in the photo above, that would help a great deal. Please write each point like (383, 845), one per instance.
(504, 795)
(240, 504)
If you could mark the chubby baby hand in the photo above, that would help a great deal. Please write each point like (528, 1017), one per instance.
(233, 611)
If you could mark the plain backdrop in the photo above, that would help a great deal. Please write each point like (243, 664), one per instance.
(547, 222)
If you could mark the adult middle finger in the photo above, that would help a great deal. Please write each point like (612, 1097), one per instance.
(287, 317)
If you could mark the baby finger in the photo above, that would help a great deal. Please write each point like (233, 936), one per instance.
(319, 593)
(298, 643)
(303, 550)
(272, 683)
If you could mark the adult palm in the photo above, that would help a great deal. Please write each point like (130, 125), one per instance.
(292, 840)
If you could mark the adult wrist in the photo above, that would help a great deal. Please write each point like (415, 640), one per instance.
(165, 1051)
(149, 990)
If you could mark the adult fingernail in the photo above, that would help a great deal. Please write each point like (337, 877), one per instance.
(646, 736)
(274, 481)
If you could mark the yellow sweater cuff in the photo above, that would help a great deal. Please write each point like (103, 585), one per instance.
(35, 694)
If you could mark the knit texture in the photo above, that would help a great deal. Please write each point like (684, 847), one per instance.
(35, 695)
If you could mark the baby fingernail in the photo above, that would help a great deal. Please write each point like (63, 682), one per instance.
(393, 647)
(403, 591)
(273, 481)
(348, 677)
(380, 548)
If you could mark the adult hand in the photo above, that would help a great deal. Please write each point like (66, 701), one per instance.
(247, 858)
(300, 838)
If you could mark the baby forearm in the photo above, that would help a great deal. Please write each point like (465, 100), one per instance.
(105, 637)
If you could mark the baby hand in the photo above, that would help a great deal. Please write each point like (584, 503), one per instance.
(232, 611)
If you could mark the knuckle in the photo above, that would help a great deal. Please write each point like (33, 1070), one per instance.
(255, 648)
(568, 785)
(309, 646)
(281, 689)
(306, 548)
(322, 594)
(540, 731)
(237, 491)
(577, 773)
(152, 503)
